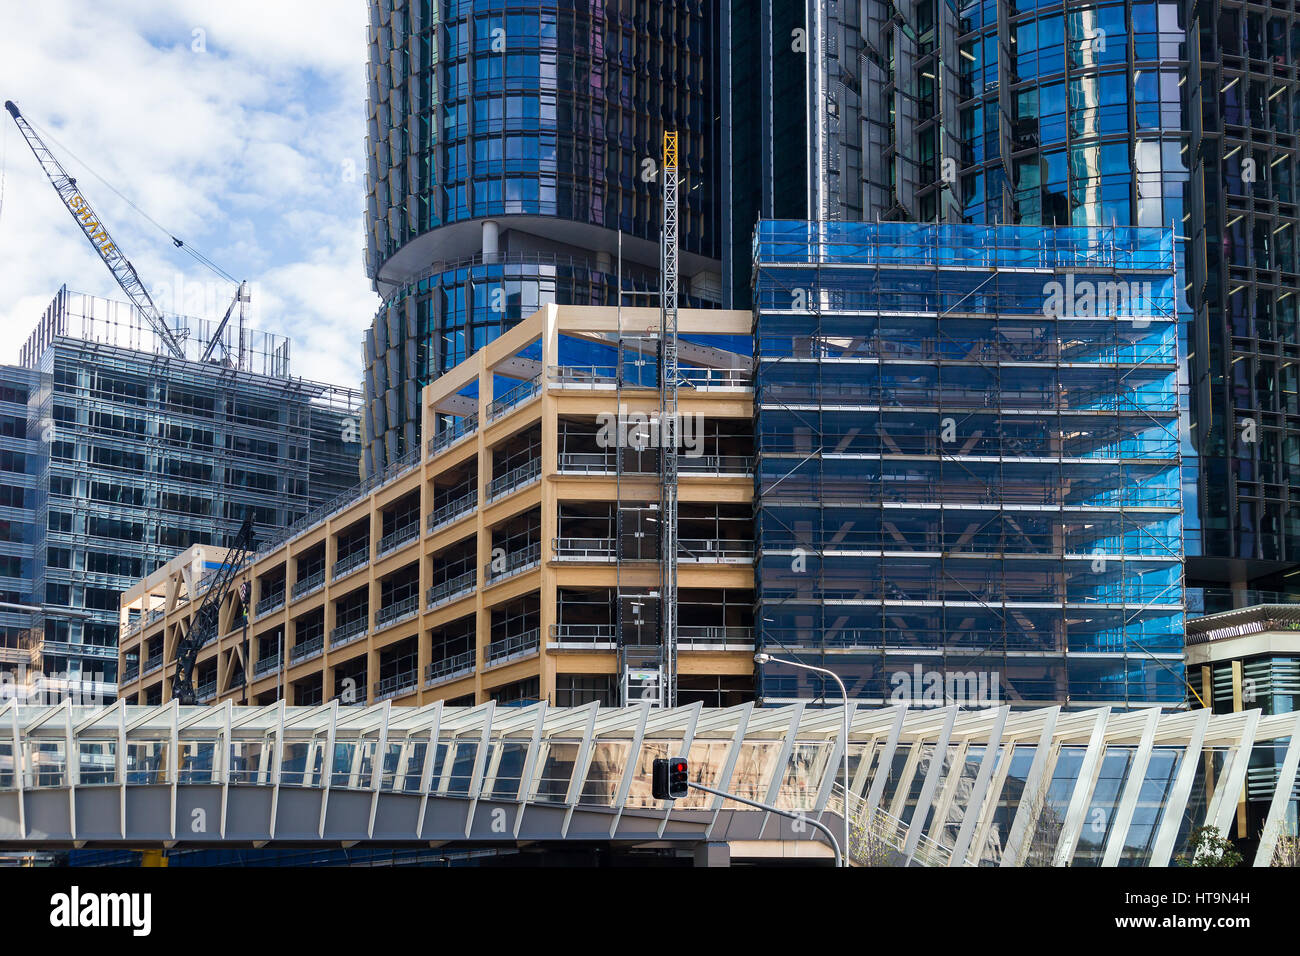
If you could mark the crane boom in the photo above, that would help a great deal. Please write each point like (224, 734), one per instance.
(97, 233)
(204, 623)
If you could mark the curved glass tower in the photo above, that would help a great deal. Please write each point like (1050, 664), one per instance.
(510, 144)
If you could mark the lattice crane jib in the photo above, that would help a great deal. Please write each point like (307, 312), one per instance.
(93, 228)
(668, 429)
(203, 625)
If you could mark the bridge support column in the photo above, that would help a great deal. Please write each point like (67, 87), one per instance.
(712, 854)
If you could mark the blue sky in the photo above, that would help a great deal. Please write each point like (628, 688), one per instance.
(237, 125)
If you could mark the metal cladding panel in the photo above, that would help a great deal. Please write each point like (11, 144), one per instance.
(347, 816)
(411, 311)
(47, 814)
(393, 368)
(248, 813)
(9, 828)
(393, 323)
(298, 814)
(99, 813)
(395, 815)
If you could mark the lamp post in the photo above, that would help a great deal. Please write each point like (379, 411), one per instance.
(761, 658)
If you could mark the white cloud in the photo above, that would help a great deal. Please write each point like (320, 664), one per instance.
(238, 148)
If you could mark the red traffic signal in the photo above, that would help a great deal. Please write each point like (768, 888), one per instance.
(668, 778)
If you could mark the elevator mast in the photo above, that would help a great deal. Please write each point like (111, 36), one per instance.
(668, 430)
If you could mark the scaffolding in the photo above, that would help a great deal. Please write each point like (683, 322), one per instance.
(969, 458)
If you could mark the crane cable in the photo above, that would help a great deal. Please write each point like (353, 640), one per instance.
(4, 165)
(196, 254)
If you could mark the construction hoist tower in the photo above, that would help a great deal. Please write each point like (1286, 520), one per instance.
(668, 430)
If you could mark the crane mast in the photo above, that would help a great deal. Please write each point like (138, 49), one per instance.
(668, 429)
(97, 233)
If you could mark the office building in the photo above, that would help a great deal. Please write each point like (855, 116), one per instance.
(20, 466)
(513, 162)
(1093, 114)
(1247, 660)
(145, 454)
(968, 463)
(513, 559)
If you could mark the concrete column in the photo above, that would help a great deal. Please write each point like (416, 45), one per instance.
(713, 854)
(491, 240)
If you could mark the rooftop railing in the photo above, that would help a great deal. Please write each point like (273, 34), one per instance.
(450, 434)
(515, 396)
(339, 502)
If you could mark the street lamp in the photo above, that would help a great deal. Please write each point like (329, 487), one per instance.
(761, 658)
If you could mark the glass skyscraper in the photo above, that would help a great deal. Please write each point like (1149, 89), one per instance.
(20, 466)
(968, 463)
(1146, 114)
(509, 146)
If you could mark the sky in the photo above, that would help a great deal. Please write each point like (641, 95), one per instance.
(237, 125)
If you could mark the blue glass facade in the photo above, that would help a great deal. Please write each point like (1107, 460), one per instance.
(511, 142)
(968, 462)
(20, 469)
(1086, 113)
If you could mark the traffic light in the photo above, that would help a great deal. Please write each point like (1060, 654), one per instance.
(668, 778)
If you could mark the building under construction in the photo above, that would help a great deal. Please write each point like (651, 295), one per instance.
(148, 447)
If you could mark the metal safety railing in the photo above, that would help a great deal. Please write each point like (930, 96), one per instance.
(453, 511)
(395, 539)
(450, 434)
(514, 479)
(510, 648)
(512, 564)
(584, 549)
(349, 631)
(308, 584)
(399, 611)
(583, 633)
(458, 665)
(515, 396)
(348, 563)
(451, 589)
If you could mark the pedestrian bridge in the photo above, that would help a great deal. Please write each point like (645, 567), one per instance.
(935, 787)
